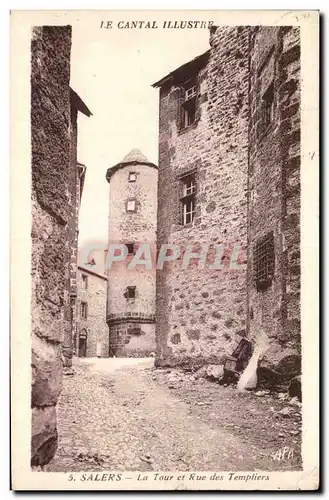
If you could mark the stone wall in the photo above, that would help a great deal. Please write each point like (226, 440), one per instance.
(132, 337)
(50, 141)
(94, 326)
(274, 182)
(201, 313)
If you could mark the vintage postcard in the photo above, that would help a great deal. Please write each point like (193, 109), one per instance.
(164, 250)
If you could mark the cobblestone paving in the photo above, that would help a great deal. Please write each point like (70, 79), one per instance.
(124, 415)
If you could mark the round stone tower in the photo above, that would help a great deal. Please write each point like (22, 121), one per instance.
(132, 238)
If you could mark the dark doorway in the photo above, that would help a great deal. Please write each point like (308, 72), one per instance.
(83, 344)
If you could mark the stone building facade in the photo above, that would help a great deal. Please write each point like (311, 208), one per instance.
(76, 183)
(229, 178)
(274, 190)
(132, 222)
(201, 313)
(92, 334)
(53, 195)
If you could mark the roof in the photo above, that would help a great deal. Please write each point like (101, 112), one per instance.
(135, 157)
(194, 65)
(78, 103)
(94, 273)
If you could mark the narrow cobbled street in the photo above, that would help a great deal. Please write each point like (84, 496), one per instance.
(122, 414)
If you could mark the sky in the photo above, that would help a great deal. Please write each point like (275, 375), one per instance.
(112, 71)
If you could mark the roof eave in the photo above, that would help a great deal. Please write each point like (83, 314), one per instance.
(200, 60)
(79, 104)
(118, 166)
(94, 273)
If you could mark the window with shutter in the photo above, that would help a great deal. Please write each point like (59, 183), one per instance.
(264, 262)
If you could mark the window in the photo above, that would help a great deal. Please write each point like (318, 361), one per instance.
(268, 106)
(188, 189)
(84, 310)
(130, 247)
(134, 330)
(190, 92)
(131, 206)
(84, 281)
(264, 262)
(189, 105)
(131, 292)
(132, 177)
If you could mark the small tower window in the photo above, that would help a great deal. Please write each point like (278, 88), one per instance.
(131, 206)
(132, 177)
(130, 247)
(130, 292)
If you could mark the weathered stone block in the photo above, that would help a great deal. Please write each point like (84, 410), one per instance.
(295, 388)
(284, 361)
(44, 435)
(47, 372)
(210, 372)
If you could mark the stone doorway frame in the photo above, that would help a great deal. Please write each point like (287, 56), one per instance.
(83, 336)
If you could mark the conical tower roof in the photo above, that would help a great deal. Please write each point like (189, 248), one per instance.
(135, 157)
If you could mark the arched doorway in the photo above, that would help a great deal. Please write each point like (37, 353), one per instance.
(82, 352)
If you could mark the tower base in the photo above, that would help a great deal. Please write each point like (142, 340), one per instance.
(132, 338)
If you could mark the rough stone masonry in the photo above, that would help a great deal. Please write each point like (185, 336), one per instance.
(229, 141)
(51, 143)
(274, 195)
(202, 313)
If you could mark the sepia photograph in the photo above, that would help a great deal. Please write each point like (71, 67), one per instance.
(166, 189)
